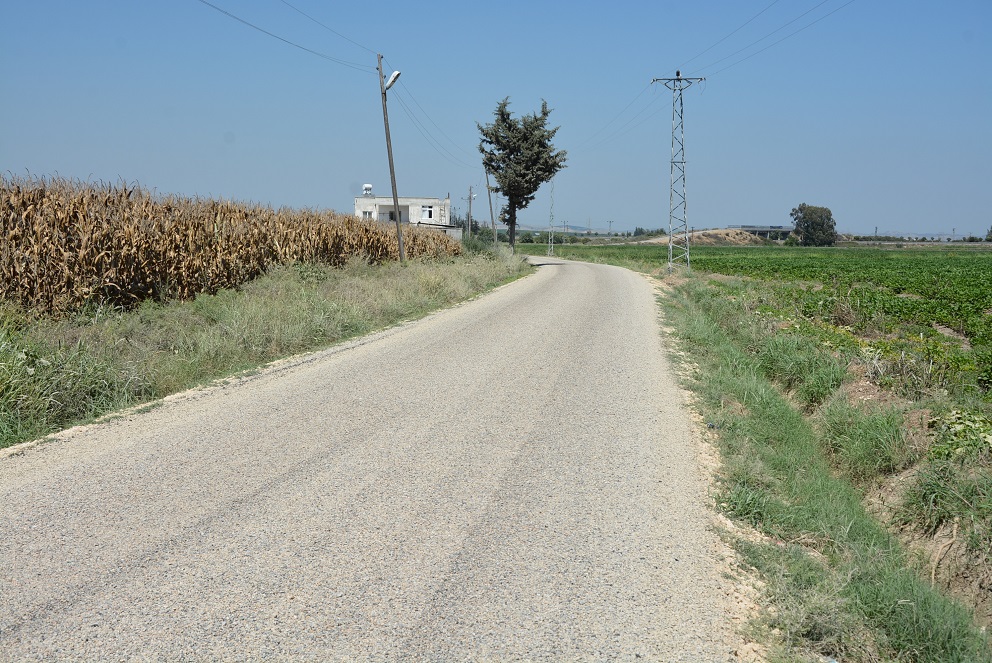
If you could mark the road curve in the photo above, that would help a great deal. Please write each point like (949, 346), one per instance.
(513, 478)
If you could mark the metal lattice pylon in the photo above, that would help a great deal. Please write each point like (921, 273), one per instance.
(678, 228)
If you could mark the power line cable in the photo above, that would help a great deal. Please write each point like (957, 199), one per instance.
(329, 29)
(620, 131)
(427, 115)
(603, 128)
(758, 41)
(433, 142)
(645, 119)
(414, 99)
(353, 65)
(742, 26)
(633, 124)
(417, 123)
(783, 38)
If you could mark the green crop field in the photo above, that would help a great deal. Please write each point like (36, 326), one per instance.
(931, 307)
(943, 286)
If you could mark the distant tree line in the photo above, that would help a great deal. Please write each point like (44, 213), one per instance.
(638, 231)
(534, 237)
(815, 226)
(911, 238)
(484, 232)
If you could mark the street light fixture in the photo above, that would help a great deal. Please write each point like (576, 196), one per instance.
(383, 85)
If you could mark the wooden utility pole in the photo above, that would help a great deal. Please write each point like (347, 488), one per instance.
(389, 149)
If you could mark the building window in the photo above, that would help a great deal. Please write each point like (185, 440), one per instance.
(427, 213)
(367, 214)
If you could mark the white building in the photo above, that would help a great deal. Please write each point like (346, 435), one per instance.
(427, 212)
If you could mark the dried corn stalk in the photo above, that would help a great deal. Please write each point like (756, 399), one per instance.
(66, 243)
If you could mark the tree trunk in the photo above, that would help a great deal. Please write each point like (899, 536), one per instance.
(511, 222)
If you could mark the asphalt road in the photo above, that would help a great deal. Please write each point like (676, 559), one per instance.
(510, 479)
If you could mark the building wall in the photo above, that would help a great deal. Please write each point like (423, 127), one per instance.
(411, 209)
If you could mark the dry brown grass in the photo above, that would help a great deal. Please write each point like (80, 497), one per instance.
(66, 243)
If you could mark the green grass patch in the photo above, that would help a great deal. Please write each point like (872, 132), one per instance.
(57, 373)
(947, 492)
(865, 443)
(840, 585)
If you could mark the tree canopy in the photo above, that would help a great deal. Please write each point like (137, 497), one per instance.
(815, 226)
(519, 154)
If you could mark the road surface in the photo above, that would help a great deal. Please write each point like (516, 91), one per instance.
(513, 478)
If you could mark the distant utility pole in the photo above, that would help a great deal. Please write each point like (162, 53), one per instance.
(492, 217)
(678, 231)
(468, 221)
(551, 222)
(611, 229)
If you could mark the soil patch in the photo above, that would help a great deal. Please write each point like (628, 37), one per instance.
(945, 559)
(727, 237)
(716, 237)
(950, 333)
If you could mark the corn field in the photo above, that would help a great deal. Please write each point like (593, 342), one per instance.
(66, 243)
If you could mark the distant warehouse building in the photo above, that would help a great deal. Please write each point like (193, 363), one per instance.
(426, 212)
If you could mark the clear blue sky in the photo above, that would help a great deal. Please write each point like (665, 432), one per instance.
(880, 110)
